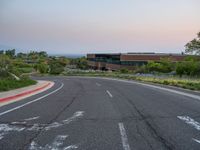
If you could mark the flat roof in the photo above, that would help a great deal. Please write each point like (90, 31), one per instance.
(142, 53)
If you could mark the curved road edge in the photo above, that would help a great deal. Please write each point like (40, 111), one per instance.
(25, 92)
(167, 89)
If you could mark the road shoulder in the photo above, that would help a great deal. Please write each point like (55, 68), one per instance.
(22, 93)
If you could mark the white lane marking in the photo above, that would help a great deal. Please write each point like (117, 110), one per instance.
(56, 145)
(35, 100)
(160, 88)
(23, 122)
(124, 137)
(98, 84)
(76, 115)
(152, 86)
(17, 126)
(71, 147)
(33, 118)
(198, 141)
(190, 121)
(109, 93)
(5, 129)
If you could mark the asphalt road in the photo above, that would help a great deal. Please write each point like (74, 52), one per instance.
(100, 114)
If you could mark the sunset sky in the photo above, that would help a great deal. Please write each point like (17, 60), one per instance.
(89, 26)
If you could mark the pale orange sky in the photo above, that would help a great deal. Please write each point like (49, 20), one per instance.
(99, 26)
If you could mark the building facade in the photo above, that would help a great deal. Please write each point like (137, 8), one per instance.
(118, 61)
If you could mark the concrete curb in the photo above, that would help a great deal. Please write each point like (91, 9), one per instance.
(24, 94)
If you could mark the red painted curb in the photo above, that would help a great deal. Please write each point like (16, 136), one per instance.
(23, 94)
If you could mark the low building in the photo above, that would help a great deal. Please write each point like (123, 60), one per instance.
(118, 61)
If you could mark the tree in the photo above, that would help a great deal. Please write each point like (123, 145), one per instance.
(22, 55)
(4, 65)
(180, 69)
(80, 63)
(43, 54)
(166, 65)
(4, 62)
(193, 47)
(189, 68)
(33, 55)
(10, 53)
(1, 52)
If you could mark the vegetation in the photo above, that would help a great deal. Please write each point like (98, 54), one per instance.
(56, 68)
(161, 72)
(187, 83)
(163, 66)
(80, 63)
(14, 66)
(124, 70)
(42, 68)
(36, 62)
(193, 47)
(9, 83)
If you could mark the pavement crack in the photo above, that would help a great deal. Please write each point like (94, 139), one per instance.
(127, 119)
(152, 129)
(52, 120)
(145, 139)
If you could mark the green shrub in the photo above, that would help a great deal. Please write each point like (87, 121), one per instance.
(9, 84)
(42, 68)
(124, 70)
(166, 82)
(189, 68)
(25, 70)
(56, 68)
(164, 66)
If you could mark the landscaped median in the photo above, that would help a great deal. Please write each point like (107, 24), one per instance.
(21, 93)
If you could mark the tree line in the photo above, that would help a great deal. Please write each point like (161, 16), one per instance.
(35, 61)
(40, 61)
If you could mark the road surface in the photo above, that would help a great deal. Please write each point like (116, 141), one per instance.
(100, 114)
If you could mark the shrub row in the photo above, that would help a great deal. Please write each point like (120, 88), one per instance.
(9, 84)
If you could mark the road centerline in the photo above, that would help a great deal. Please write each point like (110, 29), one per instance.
(108, 92)
(30, 102)
(124, 137)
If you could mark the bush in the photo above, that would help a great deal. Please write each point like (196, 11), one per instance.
(9, 84)
(80, 63)
(19, 63)
(190, 68)
(42, 68)
(164, 66)
(56, 68)
(3, 74)
(140, 69)
(25, 70)
(124, 70)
